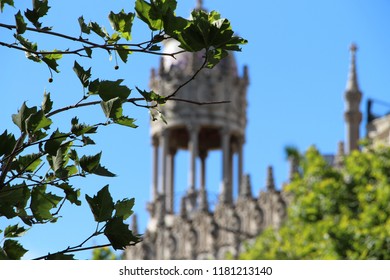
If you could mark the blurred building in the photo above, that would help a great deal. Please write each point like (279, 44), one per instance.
(197, 230)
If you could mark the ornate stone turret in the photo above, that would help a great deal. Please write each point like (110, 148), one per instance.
(198, 129)
(201, 230)
(353, 96)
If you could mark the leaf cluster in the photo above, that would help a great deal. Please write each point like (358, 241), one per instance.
(335, 213)
(38, 165)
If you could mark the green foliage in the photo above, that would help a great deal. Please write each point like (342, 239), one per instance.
(335, 213)
(38, 166)
(103, 253)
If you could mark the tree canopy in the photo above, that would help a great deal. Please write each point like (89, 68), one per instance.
(39, 164)
(335, 212)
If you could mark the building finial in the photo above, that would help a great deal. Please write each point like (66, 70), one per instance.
(352, 114)
(199, 4)
(246, 188)
(270, 179)
(352, 84)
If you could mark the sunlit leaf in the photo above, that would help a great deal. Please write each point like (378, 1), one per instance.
(51, 59)
(122, 22)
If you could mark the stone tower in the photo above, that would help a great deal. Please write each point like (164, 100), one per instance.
(353, 96)
(197, 129)
(198, 230)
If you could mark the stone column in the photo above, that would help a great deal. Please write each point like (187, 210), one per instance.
(193, 148)
(164, 142)
(240, 162)
(169, 181)
(203, 156)
(155, 169)
(226, 166)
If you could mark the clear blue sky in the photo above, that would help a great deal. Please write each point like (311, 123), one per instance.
(298, 59)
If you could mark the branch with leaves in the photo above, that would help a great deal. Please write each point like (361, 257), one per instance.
(37, 167)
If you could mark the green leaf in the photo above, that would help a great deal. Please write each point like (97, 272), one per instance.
(27, 163)
(215, 56)
(20, 23)
(102, 171)
(143, 9)
(13, 250)
(14, 231)
(47, 104)
(122, 22)
(7, 143)
(111, 89)
(84, 28)
(95, 27)
(91, 164)
(60, 256)
(42, 203)
(51, 59)
(118, 233)
(126, 121)
(101, 205)
(81, 129)
(37, 121)
(123, 52)
(54, 142)
(88, 51)
(112, 108)
(82, 74)
(40, 9)
(87, 140)
(123, 208)
(72, 195)
(26, 43)
(23, 113)
(13, 200)
(152, 96)
(8, 2)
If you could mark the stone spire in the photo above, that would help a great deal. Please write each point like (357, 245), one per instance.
(270, 179)
(183, 208)
(134, 224)
(199, 4)
(340, 154)
(246, 188)
(352, 114)
(352, 83)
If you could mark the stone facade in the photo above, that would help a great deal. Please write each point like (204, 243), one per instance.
(196, 231)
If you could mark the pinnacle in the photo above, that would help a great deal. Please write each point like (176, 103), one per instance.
(352, 83)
